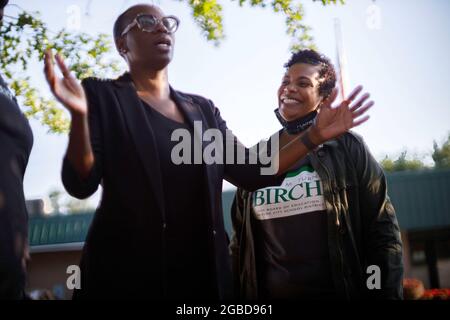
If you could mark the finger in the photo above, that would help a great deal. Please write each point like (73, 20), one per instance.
(48, 68)
(363, 109)
(62, 66)
(354, 93)
(46, 62)
(330, 99)
(360, 121)
(71, 83)
(360, 101)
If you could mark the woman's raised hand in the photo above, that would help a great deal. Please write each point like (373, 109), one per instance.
(67, 89)
(333, 121)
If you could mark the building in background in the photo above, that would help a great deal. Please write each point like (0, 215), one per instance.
(56, 243)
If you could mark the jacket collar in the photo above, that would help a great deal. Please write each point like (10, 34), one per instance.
(184, 101)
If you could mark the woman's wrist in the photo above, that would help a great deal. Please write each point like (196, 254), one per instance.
(305, 138)
(78, 115)
(311, 138)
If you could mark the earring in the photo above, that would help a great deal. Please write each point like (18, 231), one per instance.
(123, 51)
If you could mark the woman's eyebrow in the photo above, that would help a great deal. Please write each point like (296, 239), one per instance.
(303, 78)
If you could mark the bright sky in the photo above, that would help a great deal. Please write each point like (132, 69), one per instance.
(403, 62)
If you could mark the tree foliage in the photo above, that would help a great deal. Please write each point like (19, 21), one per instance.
(402, 163)
(26, 38)
(209, 17)
(441, 155)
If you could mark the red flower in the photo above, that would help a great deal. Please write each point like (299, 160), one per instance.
(436, 294)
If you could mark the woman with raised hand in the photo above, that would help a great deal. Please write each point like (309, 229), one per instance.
(158, 232)
(330, 221)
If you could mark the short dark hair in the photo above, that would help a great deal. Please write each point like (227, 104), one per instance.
(3, 3)
(123, 20)
(326, 72)
(121, 23)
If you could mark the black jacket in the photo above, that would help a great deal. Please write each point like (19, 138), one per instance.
(362, 225)
(16, 141)
(115, 262)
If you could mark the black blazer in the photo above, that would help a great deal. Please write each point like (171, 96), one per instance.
(127, 166)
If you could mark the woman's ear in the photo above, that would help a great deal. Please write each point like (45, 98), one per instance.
(121, 46)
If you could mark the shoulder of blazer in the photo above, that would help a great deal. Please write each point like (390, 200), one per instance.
(97, 90)
(204, 104)
(96, 87)
(197, 99)
(98, 80)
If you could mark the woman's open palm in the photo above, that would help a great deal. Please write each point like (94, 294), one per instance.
(333, 121)
(67, 89)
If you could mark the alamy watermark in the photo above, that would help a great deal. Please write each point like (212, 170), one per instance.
(374, 280)
(74, 280)
(222, 150)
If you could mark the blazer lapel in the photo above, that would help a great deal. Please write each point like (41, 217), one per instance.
(138, 126)
(193, 114)
(193, 117)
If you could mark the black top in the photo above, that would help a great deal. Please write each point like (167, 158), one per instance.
(291, 238)
(189, 261)
(16, 140)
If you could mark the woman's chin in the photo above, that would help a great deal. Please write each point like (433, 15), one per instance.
(290, 113)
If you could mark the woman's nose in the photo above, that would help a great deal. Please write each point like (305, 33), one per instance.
(289, 88)
(160, 27)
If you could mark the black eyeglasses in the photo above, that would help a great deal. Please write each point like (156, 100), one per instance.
(148, 23)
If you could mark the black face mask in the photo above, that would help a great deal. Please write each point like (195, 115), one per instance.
(297, 125)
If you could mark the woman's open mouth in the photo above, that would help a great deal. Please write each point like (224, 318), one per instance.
(164, 43)
(286, 100)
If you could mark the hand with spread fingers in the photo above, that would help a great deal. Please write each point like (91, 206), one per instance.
(67, 89)
(332, 121)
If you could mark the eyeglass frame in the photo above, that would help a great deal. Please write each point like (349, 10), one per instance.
(158, 21)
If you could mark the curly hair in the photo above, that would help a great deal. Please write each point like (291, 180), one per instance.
(327, 74)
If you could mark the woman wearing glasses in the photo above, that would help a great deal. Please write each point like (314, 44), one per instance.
(158, 232)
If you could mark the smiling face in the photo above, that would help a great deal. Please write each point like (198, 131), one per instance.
(146, 49)
(298, 94)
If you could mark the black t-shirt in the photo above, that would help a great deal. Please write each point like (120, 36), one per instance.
(16, 141)
(189, 271)
(290, 225)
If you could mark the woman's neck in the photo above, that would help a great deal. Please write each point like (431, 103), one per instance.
(150, 82)
(298, 125)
